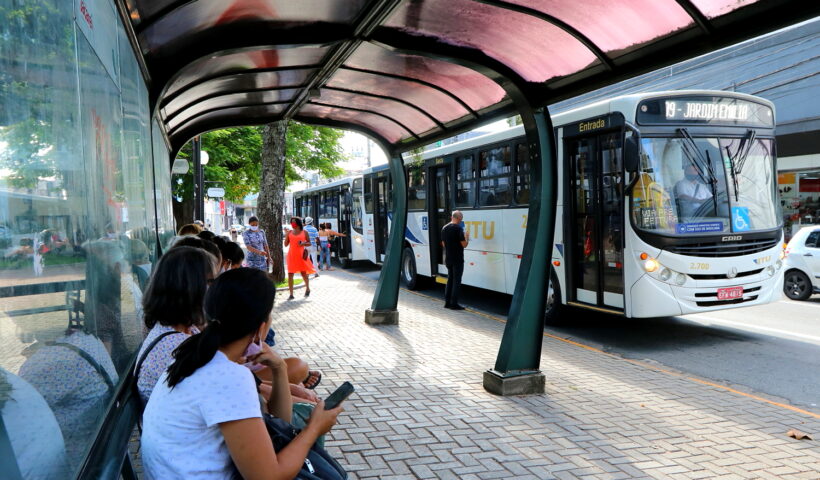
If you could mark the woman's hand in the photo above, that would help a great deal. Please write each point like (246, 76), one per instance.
(323, 420)
(268, 358)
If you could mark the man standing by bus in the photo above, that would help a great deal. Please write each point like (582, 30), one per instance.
(454, 239)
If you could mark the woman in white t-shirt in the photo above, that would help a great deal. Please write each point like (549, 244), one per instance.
(203, 419)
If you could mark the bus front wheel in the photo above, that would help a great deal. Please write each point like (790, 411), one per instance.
(409, 274)
(554, 310)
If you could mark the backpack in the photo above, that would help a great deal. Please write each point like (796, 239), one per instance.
(319, 465)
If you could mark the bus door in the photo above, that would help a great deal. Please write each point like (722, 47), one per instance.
(595, 232)
(345, 204)
(439, 210)
(382, 191)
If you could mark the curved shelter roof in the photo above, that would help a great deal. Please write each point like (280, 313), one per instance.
(407, 72)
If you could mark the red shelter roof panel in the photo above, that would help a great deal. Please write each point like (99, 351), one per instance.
(388, 129)
(533, 48)
(410, 117)
(439, 104)
(237, 62)
(614, 26)
(473, 88)
(716, 8)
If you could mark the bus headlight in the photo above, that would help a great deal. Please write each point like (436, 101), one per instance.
(770, 270)
(650, 265)
(680, 279)
(778, 264)
(666, 274)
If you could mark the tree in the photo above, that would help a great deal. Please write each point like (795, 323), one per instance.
(288, 148)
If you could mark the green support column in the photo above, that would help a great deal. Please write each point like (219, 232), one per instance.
(383, 310)
(517, 365)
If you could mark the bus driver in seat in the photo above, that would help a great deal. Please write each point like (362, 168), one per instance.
(691, 192)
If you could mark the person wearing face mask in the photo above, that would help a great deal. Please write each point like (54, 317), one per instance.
(691, 192)
(257, 246)
(297, 241)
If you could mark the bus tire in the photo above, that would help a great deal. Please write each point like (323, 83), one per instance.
(554, 310)
(797, 285)
(409, 274)
(345, 263)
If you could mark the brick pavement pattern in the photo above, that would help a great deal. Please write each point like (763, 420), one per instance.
(420, 410)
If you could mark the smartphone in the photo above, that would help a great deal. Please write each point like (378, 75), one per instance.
(339, 396)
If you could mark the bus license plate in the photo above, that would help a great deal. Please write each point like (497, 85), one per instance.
(729, 293)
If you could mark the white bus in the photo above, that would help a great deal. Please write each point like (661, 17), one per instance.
(685, 219)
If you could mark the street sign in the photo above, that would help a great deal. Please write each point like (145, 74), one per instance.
(180, 166)
(215, 192)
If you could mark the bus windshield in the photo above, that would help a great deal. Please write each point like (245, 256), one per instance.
(699, 186)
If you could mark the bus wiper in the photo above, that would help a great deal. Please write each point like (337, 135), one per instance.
(702, 164)
(738, 160)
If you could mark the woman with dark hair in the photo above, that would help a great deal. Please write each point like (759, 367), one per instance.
(232, 255)
(257, 244)
(297, 240)
(196, 242)
(204, 419)
(172, 306)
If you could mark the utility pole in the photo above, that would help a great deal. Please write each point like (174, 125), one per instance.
(199, 194)
(368, 151)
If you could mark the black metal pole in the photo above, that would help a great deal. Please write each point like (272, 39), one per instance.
(199, 196)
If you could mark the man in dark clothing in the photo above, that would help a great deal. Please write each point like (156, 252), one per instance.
(454, 239)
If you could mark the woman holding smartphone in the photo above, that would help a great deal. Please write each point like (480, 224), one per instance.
(298, 260)
(203, 419)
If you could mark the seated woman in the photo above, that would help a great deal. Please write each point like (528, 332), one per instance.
(173, 303)
(203, 419)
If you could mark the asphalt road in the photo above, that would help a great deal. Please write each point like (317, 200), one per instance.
(773, 350)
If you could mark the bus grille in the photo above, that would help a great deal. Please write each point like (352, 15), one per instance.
(722, 276)
(723, 249)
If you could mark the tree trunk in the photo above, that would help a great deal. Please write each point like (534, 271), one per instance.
(183, 212)
(272, 192)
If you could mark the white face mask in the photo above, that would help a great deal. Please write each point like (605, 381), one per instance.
(254, 227)
(146, 267)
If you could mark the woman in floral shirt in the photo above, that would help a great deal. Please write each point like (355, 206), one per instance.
(257, 245)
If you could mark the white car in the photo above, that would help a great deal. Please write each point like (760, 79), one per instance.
(802, 277)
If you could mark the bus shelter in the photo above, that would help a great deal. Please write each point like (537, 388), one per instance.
(410, 72)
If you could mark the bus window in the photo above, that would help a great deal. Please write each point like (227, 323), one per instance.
(368, 195)
(465, 181)
(416, 194)
(322, 204)
(356, 220)
(522, 174)
(333, 204)
(494, 187)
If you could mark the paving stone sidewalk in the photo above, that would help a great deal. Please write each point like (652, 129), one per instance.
(420, 410)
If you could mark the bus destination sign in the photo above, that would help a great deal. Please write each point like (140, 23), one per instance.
(705, 110)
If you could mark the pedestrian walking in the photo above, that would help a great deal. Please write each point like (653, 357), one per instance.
(257, 245)
(454, 239)
(297, 240)
(313, 249)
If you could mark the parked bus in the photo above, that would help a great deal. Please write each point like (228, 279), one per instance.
(667, 205)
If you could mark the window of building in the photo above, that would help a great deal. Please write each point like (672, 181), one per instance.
(465, 181)
(522, 174)
(416, 189)
(495, 166)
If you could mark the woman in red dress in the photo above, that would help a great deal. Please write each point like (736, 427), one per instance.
(297, 239)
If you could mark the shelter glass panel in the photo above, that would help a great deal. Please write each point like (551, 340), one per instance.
(227, 101)
(538, 51)
(390, 130)
(233, 63)
(408, 116)
(616, 27)
(441, 106)
(244, 82)
(471, 87)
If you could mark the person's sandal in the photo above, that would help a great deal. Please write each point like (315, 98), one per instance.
(290, 297)
(315, 374)
(307, 293)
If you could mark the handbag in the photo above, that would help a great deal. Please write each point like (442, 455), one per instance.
(306, 252)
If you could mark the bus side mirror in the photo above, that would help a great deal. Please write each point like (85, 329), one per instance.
(631, 154)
